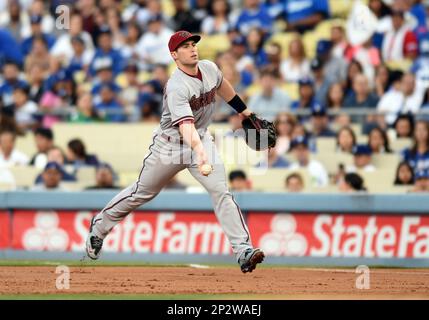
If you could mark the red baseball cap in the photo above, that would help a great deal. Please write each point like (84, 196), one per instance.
(181, 36)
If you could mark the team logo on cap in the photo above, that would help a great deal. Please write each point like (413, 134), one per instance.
(184, 34)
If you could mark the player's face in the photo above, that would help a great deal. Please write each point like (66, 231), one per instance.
(187, 53)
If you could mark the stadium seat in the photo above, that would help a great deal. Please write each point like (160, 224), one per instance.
(121, 145)
(273, 180)
(379, 181)
(326, 145)
(209, 46)
(340, 8)
(331, 161)
(24, 175)
(388, 161)
(400, 144)
(291, 89)
(26, 144)
(7, 187)
(86, 176)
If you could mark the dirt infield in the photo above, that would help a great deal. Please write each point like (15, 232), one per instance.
(224, 282)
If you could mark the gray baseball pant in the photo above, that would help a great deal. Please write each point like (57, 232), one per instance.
(164, 160)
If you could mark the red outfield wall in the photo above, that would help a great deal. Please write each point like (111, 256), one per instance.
(279, 234)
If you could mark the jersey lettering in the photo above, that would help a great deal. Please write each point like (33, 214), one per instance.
(203, 100)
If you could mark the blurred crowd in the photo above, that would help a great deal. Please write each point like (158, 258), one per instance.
(111, 63)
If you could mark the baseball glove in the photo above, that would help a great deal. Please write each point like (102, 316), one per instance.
(260, 133)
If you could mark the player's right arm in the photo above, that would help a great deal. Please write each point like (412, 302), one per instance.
(192, 138)
(182, 116)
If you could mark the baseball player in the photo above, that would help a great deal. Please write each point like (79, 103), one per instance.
(182, 141)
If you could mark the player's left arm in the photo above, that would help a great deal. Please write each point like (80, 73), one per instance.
(226, 92)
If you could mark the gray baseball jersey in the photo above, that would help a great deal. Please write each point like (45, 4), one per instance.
(186, 98)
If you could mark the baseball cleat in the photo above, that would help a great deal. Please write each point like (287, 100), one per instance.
(250, 258)
(93, 243)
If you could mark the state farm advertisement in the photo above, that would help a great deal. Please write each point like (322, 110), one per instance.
(278, 234)
(142, 232)
(4, 230)
(341, 235)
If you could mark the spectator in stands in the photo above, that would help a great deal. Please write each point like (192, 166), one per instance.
(421, 183)
(9, 48)
(399, 43)
(346, 140)
(218, 20)
(238, 181)
(85, 110)
(321, 82)
(335, 69)
(404, 174)
(306, 95)
(272, 99)
(402, 98)
(299, 131)
(378, 141)
(361, 159)
(44, 140)
(38, 8)
(63, 47)
(243, 63)
(11, 80)
(418, 155)
(58, 98)
(130, 92)
(275, 9)
(129, 47)
(9, 155)
(104, 75)
(24, 108)
(253, 15)
(13, 19)
(294, 183)
(303, 16)
(382, 80)
(404, 126)
(51, 178)
(284, 123)
(56, 154)
(77, 155)
(352, 182)
(420, 67)
(36, 77)
(109, 106)
(106, 52)
(300, 150)
(104, 178)
(38, 54)
(274, 160)
(152, 45)
(296, 66)
(361, 95)
(36, 31)
(151, 94)
(81, 57)
(335, 97)
(255, 47)
(8, 122)
(274, 55)
(339, 40)
(320, 122)
(354, 68)
(184, 18)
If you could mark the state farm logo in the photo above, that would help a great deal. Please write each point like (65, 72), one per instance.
(283, 239)
(46, 235)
